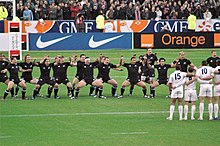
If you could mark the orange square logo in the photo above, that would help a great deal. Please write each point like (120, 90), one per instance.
(147, 41)
(217, 40)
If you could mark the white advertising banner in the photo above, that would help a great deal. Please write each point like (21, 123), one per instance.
(203, 25)
(4, 42)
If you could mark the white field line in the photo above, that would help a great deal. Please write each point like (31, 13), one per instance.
(2, 137)
(130, 133)
(83, 114)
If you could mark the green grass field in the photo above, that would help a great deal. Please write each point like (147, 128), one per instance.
(130, 121)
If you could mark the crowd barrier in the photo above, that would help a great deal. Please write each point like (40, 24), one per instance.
(144, 26)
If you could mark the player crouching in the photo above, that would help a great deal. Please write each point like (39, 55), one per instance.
(133, 76)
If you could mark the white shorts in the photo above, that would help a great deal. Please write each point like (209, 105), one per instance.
(205, 90)
(177, 93)
(217, 90)
(190, 95)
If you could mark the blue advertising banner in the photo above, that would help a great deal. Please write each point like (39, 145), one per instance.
(80, 41)
(1, 26)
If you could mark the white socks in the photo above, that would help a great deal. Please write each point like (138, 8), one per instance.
(201, 110)
(193, 110)
(185, 111)
(210, 108)
(172, 108)
(216, 110)
(180, 108)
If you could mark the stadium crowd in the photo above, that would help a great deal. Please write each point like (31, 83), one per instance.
(114, 9)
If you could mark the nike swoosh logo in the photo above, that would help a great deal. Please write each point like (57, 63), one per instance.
(41, 44)
(93, 44)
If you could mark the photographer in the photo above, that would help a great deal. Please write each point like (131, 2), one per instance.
(198, 12)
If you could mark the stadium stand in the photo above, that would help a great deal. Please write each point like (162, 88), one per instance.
(115, 9)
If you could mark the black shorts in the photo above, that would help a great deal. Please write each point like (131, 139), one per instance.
(151, 72)
(48, 81)
(79, 77)
(89, 81)
(27, 78)
(3, 78)
(162, 81)
(133, 81)
(105, 79)
(15, 80)
(61, 80)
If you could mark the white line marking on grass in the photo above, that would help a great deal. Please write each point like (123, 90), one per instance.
(128, 133)
(82, 114)
(2, 137)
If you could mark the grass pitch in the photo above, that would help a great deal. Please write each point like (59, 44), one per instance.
(132, 120)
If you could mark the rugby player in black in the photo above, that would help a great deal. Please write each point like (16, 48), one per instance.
(212, 61)
(152, 58)
(45, 67)
(60, 74)
(3, 64)
(133, 76)
(103, 74)
(27, 69)
(184, 63)
(79, 71)
(88, 78)
(162, 69)
(14, 79)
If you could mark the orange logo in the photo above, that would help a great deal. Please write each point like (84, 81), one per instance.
(147, 41)
(216, 39)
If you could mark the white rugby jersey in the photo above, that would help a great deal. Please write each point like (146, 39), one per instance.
(177, 77)
(205, 71)
(191, 86)
(217, 76)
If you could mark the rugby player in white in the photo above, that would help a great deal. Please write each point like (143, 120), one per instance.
(205, 73)
(176, 81)
(216, 90)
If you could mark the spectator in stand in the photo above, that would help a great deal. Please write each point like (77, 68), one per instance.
(152, 14)
(87, 9)
(80, 23)
(123, 11)
(59, 13)
(207, 15)
(129, 11)
(36, 12)
(183, 13)
(74, 10)
(198, 12)
(218, 9)
(94, 9)
(165, 14)
(27, 14)
(137, 13)
(117, 13)
(173, 14)
(20, 10)
(159, 13)
(145, 14)
(53, 12)
(213, 11)
(110, 13)
(66, 12)
(44, 12)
